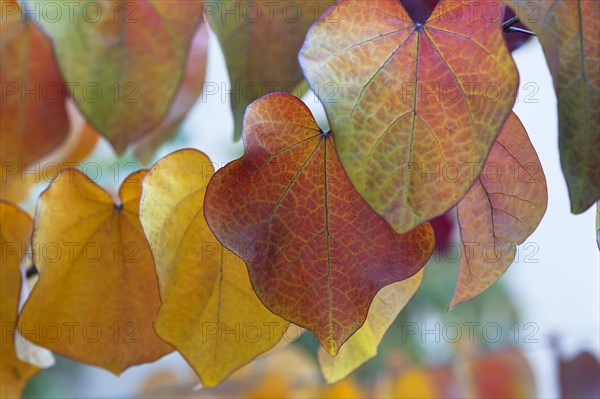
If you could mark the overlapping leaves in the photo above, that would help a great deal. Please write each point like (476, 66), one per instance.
(316, 253)
(209, 311)
(414, 115)
(255, 68)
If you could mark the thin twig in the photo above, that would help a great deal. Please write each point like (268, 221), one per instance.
(509, 26)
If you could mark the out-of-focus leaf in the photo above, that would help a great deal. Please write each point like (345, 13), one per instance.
(362, 346)
(15, 231)
(580, 377)
(18, 179)
(97, 293)
(503, 208)
(418, 105)
(190, 88)
(427, 383)
(568, 32)
(209, 310)
(503, 374)
(316, 253)
(261, 40)
(124, 60)
(34, 120)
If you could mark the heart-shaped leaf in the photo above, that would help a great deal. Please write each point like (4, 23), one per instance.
(97, 292)
(123, 60)
(503, 208)
(418, 105)
(316, 253)
(209, 310)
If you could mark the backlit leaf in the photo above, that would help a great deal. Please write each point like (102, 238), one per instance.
(190, 88)
(568, 32)
(15, 232)
(34, 120)
(316, 253)
(362, 346)
(209, 311)
(418, 105)
(503, 208)
(125, 60)
(97, 292)
(261, 40)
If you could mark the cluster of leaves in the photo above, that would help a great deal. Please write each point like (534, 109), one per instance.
(326, 229)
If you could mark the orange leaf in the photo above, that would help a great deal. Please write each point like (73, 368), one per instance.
(15, 232)
(503, 208)
(34, 120)
(418, 105)
(97, 293)
(316, 253)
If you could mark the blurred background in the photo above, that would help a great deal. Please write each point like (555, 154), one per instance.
(536, 333)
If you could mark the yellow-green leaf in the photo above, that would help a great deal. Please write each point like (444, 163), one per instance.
(568, 32)
(261, 40)
(123, 60)
(209, 311)
(362, 346)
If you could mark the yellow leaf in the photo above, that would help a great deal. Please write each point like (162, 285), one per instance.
(15, 231)
(362, 346)
(97, 293)
(209, 311)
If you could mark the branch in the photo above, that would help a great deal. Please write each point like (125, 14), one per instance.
(508, 26)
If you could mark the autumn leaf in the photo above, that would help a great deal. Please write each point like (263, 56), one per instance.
(209, 311)
(15, 232)
(418, 105)
(316, 253)
(34, 120)
(19, 179)
(244, 28)
(431, 382)
(568, 32)
(97, 293)
(124, 60)
(501, 374)
(190, 88)
(362, 346)
(503, 208)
